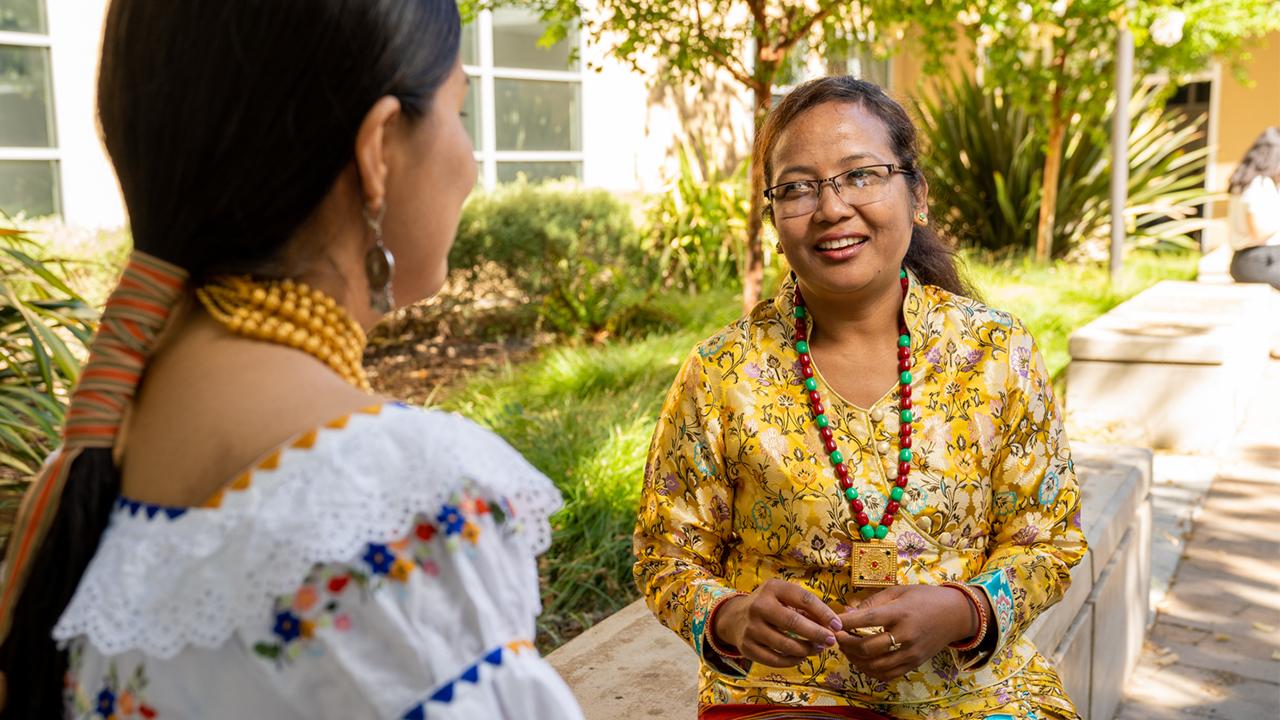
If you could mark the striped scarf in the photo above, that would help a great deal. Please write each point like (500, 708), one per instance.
(132, 320)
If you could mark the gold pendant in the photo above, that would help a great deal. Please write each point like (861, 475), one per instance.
(874, 563)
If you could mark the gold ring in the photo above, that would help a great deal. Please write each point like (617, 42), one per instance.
(894, 645)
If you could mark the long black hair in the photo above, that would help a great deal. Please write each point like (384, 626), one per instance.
(1262, 160)
(929, 256)
(227, 122)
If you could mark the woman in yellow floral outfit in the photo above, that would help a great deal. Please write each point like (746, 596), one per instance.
(869, 412)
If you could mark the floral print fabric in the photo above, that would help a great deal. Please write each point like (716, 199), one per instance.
(737, 490)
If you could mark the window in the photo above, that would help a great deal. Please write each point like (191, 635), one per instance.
(524, 108)
(29, 181)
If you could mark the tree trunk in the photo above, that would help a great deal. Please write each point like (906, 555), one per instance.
(1052, 172)
(753, 273)
(1049, 188)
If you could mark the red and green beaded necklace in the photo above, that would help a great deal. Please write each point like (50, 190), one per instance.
(870, 568)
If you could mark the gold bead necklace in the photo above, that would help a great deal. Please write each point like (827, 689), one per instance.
(289, 313)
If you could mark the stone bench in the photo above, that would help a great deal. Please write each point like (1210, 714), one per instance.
(1215, 266)
(1174, 366)
(630, 666)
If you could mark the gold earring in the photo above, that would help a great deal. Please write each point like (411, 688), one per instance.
(922, 218)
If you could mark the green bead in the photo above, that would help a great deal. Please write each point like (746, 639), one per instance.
(799, 311)
(868, 532)
(810, 384)
(904, 341)
(902, 273)
(802, 347)
(906, 416)
(851, 494)
(905, 378)
(896, 494)
(836, 458)
(821, 420)
(904, 455)
(881, 532)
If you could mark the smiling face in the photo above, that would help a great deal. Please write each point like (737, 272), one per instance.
(841, 250)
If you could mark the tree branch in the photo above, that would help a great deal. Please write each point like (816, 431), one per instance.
(733, 65)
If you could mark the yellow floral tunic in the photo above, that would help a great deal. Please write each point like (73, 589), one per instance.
(737, 490)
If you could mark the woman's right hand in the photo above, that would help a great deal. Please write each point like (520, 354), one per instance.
(779, 625)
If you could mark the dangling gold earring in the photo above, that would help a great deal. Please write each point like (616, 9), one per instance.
(379, 264)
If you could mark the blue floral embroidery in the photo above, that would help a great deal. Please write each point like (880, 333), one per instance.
(106, 702)
(451, 518)
(704, 601)
(1049, 488)
(379, 558)
(996, 585)
(288, 626)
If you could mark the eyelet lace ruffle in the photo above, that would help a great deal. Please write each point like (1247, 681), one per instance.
(158, 584)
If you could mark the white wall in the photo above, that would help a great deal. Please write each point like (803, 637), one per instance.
(90, 194)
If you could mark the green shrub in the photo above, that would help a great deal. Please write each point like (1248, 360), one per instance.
(698, 228)
(985, 165)
(573, 253)
(45, 329)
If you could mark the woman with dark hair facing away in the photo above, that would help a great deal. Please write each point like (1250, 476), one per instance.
(1253, 212)
(859, 496)
(234, 526)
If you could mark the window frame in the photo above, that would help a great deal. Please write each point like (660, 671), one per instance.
(11, 38)
(484, 74)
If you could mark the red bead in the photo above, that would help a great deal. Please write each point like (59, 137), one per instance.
(830, 446)
(904, 430)
(905, 404)
(904, 469)
(815, 397)
(904, 391)
(845, 482)
(842, 472)
(902, 481)
(856, 505)
(904, 353)
(825, 433)
(800, 334)
(904, 365)
(891, 508)
(806, 359)
(887, 520)
(806, 370)
(904, 442)
(862, 518)
(818, 409)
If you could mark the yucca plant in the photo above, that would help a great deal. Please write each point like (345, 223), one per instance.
(45, 329)
(985, 167)
(698, 227)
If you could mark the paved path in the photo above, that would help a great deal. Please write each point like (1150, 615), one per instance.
(1214, 650)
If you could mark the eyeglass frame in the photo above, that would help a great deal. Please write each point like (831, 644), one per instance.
(894, 168)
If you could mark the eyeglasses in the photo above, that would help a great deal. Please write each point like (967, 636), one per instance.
(858, 186)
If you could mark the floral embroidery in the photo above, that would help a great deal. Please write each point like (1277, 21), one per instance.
(113, 700)
(317, 605)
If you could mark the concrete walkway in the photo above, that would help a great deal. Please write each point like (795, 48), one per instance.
(1214, 649)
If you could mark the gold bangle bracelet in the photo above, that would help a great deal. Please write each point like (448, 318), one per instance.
(710, 632)
(972, 596)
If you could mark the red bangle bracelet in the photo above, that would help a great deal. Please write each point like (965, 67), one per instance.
(710, 633)
(972, 596)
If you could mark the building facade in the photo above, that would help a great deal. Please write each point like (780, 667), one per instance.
(544, 112)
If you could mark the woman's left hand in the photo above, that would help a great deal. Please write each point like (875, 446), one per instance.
(922, 619)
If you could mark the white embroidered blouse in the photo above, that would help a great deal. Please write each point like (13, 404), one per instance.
(382, 566)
